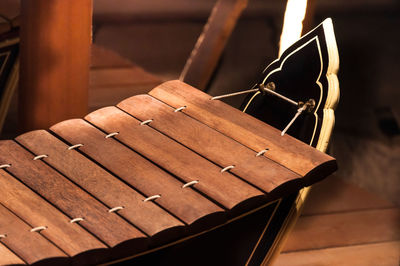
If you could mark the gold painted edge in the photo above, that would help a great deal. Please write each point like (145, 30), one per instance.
(263, 232)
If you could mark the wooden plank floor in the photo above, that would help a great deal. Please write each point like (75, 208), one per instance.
(343, 224)
(114, 78)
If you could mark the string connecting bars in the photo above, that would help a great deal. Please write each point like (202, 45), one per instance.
(262, 152)
(180, 109)
(40, 157)
(227, 168)
(75, 146)
(76, 220)
(5, 166)
(269, 88)
(118, 208)
(191, 183)
(111, 135)
(146, 122)
(152, 198)
(38, 229)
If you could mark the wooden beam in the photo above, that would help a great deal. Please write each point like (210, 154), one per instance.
(55, 57)
(211, 43)
(308, 21)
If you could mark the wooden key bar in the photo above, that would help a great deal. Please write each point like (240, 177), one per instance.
(70, 238)
(72, 200)
(224, 188)
(30, 246)
(146, 177)
(7, 257)
(259, 171)
(101, 184)
(285, 150)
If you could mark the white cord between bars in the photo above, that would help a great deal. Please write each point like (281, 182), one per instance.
(40, 157)
(146, 122)
(3, 236)
(76, 220)
(227, 168)
(191, 183)
(152, 198)
(261, 87)
(180, 109)
(116, 209)
(5, 166)
(262, 152)
(111, 135)
(38, 229)
(299, 111)
(75, 146)
(232, 94)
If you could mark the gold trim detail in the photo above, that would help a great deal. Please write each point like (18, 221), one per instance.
(263, 233)
(323, 139)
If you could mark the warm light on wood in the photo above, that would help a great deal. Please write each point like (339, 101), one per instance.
(55, 57)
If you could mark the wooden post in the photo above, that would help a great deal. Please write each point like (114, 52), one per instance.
(209, 46)
(308, 22)
(55, 58)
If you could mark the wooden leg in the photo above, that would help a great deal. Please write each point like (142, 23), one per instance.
(55, 58)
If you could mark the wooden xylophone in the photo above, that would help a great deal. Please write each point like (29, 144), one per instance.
(151, 171)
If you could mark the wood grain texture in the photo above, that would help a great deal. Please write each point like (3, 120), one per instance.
(224, 188)
(210, 44)
(285, 150)
(99, 183)
(342, 229)
(30, 246)
(140, 173)
(55, 56)
(72, 200)
(382, 254)
(70, 238)
(7, 257)
(260, 171)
